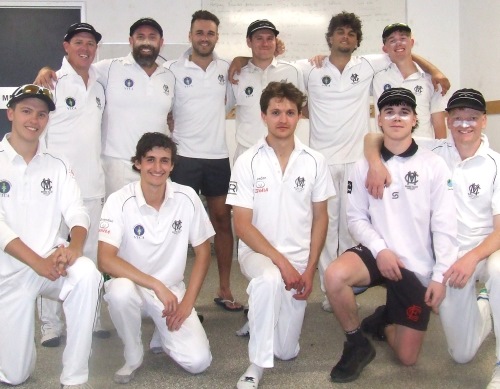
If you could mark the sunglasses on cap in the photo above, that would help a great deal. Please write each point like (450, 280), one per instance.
(31, 90)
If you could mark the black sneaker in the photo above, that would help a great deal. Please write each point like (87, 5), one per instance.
(354, 359)
(375, 324)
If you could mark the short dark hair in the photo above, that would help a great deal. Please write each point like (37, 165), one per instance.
(282, 90)
(148, 142)
(204, 15)
(344, 19)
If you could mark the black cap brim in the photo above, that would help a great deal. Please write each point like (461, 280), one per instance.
(395, 27)
(42, 97)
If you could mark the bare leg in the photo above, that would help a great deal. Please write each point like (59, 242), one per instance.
(346, 271)
(220, 216)
(406, 342)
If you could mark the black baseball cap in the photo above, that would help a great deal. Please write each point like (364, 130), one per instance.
(81, 27)
(467, 98)
(259, 25)
(32, 91)
(390, 28)
(400, 95)
(146, 22)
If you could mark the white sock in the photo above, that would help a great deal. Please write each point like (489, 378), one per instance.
(250, 379)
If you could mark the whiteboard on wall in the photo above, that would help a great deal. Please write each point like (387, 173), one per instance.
(302, 23)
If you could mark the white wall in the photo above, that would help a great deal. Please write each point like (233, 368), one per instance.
(480, 55)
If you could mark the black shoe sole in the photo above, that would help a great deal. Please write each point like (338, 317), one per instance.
(54, 342)
(101, 334)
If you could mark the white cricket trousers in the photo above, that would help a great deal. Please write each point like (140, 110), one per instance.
(466, 320)
(18, 292)
(50, 311)
(338, 238)
(128, 303)
(274, 316)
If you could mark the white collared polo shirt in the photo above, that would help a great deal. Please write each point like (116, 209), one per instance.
(135, 104)
(252, 80)
(35, 198)
(281, 202)
(74, 128)
(155, 242)
(476, 187)
(339, 106)
(428, 100)
(199, 109)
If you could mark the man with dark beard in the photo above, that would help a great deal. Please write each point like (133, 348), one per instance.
(139, 95)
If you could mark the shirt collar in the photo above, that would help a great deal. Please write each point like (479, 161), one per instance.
(410, 151)
(12, 154)
(68, 69)
(252, 66)
(299, 146)
(188, 52)
(139, 195)
(420, 72)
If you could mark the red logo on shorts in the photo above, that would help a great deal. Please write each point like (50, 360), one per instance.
(413, 313)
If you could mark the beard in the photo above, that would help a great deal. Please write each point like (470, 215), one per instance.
(145, 60)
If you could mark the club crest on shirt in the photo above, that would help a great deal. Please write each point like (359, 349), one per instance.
(46, 185)
(418, 90)
(139, 232)
(411, 179)
(300, 183)
(354, 78)
(188, 81)
(98, 102)
(166, 90)
(249, 91)
(387, 86)
(326, 80)
(129, 83)
(222, 79)
(177, 227)
(474, 190)
(5, 188)
(70, 103)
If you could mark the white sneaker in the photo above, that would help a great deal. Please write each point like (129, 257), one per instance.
(250, 379)
(244, 331)
(495, 379)
(79, 386)
(126, 373)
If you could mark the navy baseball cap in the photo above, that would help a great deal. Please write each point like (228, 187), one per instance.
(398, 95)
(467, 98)
(81, 27)
(32, 91)
(259, 25)
(390, 28)
(146, 22)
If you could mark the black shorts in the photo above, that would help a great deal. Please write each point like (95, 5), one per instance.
(405, 299)
(210, 177)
